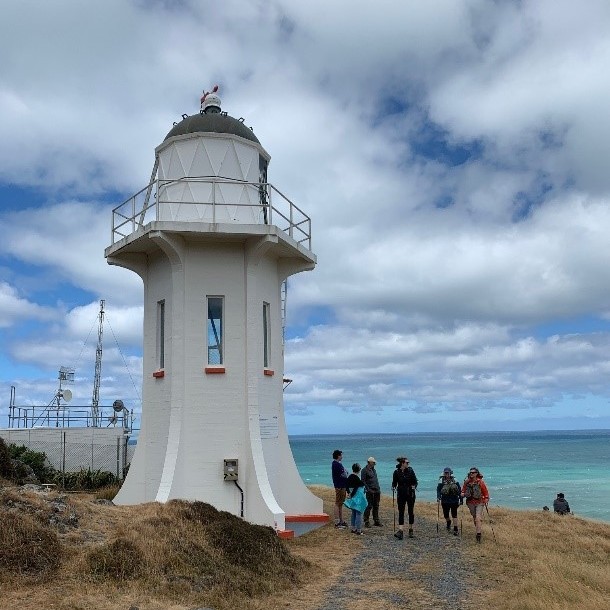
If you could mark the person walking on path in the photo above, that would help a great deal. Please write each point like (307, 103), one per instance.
(373, 492)
(356, 499)
(404, 482)
(560, 505)
(339, 481)
(477, 496)
(449, 494)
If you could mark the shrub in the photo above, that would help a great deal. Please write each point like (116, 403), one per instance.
(36, 460)
(6, 466)
(85, 480)
(27, 547)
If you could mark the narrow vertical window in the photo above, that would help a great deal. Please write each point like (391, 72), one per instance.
(266, 335)
(215, 328)
(160, 334)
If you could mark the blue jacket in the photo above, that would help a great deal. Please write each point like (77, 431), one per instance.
(339, 475)
(358, 500)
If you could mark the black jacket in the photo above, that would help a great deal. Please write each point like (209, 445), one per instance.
(353, 482)
(404, 481)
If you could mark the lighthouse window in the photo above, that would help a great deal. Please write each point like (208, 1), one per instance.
(160, 334)
(266, 335)
(215, 328)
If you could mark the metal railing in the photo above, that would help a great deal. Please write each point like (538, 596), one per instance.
(152, 203)
(64, 416)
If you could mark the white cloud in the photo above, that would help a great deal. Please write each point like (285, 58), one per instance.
(14, 308)
(434, 272)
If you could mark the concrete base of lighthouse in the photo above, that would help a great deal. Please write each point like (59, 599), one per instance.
(195, 414)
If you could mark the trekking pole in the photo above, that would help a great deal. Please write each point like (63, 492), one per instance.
(438, 514)
(393, 509)
(490, 523)
(461, 519)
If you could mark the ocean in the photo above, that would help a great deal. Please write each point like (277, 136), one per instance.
(523, 470)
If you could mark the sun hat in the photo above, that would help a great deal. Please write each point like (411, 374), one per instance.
(447, 470)
(371, 460)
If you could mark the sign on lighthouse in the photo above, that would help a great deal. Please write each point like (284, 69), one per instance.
(214, 243)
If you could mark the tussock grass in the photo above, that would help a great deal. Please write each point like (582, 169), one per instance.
(183, 555)
(27, 547)
(118, 560)
(108, 492)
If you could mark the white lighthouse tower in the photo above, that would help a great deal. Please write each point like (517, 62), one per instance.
(214, 242)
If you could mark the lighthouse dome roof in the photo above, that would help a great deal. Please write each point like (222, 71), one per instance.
(214, 123)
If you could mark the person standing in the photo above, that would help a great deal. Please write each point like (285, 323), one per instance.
(356, 500)
(449, 494)
(339, 482)
(373, 492)
(404, 482)
(560, 505)
(477, 497)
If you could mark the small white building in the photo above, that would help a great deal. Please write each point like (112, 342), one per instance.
(214, 244)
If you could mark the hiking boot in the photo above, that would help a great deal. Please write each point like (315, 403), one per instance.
(367, 524)
(358, 533)
(455, 531)
(378, 524)
(410, 533)
(478, 537)
(399, 534)
(448, 525)
(340, 526)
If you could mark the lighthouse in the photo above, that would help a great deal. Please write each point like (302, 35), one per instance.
(214, 243)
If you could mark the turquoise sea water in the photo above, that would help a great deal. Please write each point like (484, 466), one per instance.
(523, 470)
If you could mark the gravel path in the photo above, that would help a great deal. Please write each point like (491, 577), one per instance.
(427, 571)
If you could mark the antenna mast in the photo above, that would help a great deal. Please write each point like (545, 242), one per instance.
(95, 401)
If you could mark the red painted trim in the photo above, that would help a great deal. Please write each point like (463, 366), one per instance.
(268, 372)
(322, 518)
(159, 374)
(285, 534)
(214, 370)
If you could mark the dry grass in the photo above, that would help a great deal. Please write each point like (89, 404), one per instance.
(27, 547)
(183, 555)
(545, 561)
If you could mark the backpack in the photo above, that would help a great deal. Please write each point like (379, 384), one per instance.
(450, 488)
(473, 491)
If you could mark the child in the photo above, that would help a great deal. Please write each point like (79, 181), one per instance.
(356, 500)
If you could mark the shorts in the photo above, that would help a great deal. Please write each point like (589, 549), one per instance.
(476, 510)
(453, 508)
(340, 495)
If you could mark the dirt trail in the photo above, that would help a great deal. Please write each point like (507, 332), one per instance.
(428, 571)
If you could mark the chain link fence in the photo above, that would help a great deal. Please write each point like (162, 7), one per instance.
(73, 450)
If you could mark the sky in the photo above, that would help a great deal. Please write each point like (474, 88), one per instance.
(452, 154)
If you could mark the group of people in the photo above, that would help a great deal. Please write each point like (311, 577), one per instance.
(361, 493)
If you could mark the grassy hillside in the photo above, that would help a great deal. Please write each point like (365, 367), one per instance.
(75, 552)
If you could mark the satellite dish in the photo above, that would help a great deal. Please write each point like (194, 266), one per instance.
(66, 395)
(118, 405)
